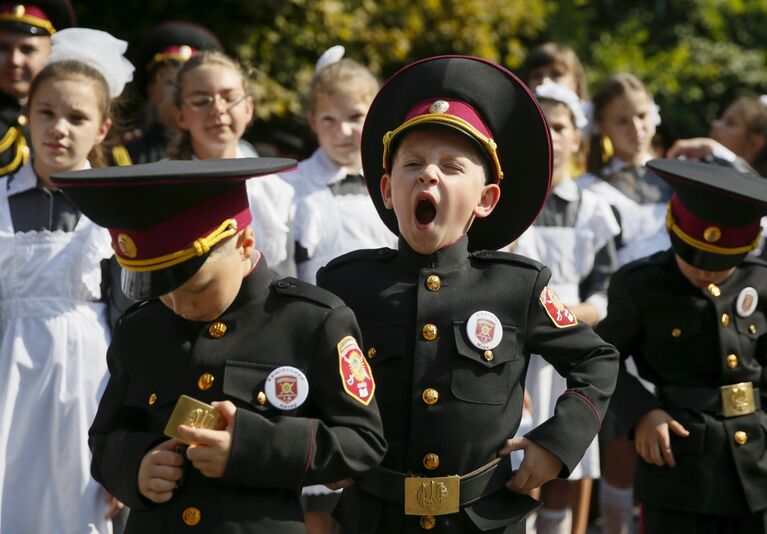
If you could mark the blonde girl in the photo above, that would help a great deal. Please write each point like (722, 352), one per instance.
(53, 329)
(214, 107)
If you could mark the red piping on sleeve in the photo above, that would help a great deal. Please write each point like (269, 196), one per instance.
(587, 401)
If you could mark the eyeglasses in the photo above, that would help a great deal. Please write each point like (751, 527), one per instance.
(204, 103)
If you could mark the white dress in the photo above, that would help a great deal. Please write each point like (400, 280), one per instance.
(328, 225)
(569, 252)
(53, 343)
(643, 226)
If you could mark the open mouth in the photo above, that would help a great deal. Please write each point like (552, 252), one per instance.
(425, 211)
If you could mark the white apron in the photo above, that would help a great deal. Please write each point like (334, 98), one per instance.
(53, 342)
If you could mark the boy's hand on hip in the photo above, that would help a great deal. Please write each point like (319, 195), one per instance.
(159, 471)
(538, 466)
(210, 449)
(652, 439)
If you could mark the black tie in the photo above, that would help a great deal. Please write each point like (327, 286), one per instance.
(352, 184)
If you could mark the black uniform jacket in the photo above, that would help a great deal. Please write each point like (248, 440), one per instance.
(687, 341)
(155, 356)
(14, 145)
(479, 396)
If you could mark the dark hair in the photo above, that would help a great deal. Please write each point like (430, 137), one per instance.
(754, 114)
(556, 54)
(180, 146)
(615, 86)
(69, 69)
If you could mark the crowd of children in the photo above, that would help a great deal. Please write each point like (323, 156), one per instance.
(495, 260)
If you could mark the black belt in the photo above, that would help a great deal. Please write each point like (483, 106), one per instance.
(702, 399)
(390, 485)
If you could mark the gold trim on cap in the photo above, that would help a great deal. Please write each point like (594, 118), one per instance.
(200, 247)
(448, 120)
(27, 19)
(707, 247)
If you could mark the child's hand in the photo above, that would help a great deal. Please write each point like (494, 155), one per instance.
(651, 437)
(341, 484)
(159, 471)
(210, 449)
(538, 467)
(113, 505)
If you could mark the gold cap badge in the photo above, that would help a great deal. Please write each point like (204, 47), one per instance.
(127, 246)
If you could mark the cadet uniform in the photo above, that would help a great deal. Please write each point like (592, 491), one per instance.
(39, 18)
(449, 334)
(284, 353)
(704, 350)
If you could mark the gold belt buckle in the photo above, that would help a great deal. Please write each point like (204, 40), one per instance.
(432, 496)
(738, 399)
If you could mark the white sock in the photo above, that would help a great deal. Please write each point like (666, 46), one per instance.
(616, 505)
(554, 521)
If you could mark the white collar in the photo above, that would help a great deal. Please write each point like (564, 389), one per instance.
(616, 164)
(566, 190)
(25, 178)
(329, 169)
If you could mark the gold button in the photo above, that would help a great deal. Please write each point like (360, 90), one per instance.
(22, 120)
(752, 328)
(430, 396)
(676, 332)
(732, 361)
(725, 319)
(152, 399)
(714, 290)
(488, 355)
(191, 516)
(741, 438)
(261, 398)
(431, 461)
(433, 283)
(217, 329)
(429, 332)
(205, 382)
(372, 352)
(428, 522)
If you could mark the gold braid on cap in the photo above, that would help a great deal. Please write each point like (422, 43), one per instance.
(707, 247)
(28, 19)
(200, 246)
(449, 120)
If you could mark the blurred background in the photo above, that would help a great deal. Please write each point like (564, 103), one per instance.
(695, 56)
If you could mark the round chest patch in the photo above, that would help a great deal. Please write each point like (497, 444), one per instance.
(286, 388)
(484, 330)
(747, 301)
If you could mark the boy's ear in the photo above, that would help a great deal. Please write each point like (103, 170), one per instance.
(246, 243)
(386, 191)
(490, 195)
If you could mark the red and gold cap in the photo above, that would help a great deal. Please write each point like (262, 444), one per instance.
(714, 216)
(172, 41)
(41, 17)
(488, 104)
(166, 217)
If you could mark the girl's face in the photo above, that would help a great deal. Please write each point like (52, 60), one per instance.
(337, 121)
(65, 123)
(731, 130)
(626, 120)
(215, 109)
(565, 137)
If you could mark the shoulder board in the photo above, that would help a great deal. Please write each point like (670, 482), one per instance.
(296, 288)
(507, 257)
(374, 254)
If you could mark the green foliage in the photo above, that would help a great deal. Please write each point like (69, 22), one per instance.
(696, 56)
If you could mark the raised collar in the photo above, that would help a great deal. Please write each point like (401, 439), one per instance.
(445, 258)
(255, 286)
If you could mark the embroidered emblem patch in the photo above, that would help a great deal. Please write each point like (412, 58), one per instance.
(355, 372)
(747, 301)
(556, 310)
(286, 388)
(484, 330)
